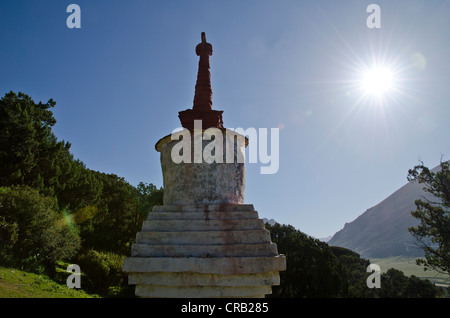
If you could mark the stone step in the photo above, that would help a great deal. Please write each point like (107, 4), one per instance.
(219, 250)
(202, 225)
(201, 292)
(178, 215)
(204, 237)
(205, 265)
(204, 208)
(195, 279)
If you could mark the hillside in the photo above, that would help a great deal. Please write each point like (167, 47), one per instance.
(382, 231)
(15, 283)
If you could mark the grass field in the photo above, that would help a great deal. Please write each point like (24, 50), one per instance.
(19, 284)
(409, 267)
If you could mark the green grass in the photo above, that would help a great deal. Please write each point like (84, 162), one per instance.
(15, 283)
(409, 267)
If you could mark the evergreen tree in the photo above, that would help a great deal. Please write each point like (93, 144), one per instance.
(394, 284)
(433, 232)
(148, 196)
(312, 270)
(356, 274)
(29, 152)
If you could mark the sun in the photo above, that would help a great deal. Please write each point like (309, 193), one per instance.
(377, 80)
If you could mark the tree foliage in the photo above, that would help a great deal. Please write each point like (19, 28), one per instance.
(33, 233)
(29, 152)
(312, 269)
(45, 185)
(355, 275)
(433, 232)
(394, 284)
(315, 269)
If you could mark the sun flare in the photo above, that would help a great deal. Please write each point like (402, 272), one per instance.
(377, 80)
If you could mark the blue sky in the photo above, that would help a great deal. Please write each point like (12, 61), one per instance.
(120, 80)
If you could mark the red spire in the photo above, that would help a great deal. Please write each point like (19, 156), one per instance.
(202, 108)
(203, 90)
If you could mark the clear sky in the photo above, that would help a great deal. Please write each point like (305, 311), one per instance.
(120, 80)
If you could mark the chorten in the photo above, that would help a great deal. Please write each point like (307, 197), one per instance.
(204, 241)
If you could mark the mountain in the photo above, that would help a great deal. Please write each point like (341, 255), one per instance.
(271, 221)
(382, 231)
(325, 239)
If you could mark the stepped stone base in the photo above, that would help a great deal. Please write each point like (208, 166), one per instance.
(204, 251)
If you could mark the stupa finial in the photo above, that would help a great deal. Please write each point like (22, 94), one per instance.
(203, 90)
(202, 108)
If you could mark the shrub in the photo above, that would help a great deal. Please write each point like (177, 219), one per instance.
(104, 274)
(33, 235)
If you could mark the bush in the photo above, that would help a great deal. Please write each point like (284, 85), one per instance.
(103, 274)
(33, 235)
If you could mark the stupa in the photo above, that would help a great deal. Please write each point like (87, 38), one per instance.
(204, 241)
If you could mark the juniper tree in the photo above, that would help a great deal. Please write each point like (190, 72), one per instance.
(433, 231)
